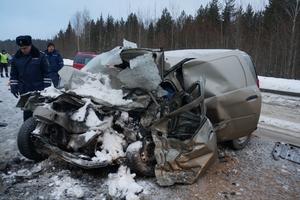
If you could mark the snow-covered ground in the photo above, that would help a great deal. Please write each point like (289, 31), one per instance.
(280, 84)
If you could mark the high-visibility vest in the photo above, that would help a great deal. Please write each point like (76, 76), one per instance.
(4, 58)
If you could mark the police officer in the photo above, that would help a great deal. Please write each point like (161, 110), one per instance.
(55, 63)
(29, 70)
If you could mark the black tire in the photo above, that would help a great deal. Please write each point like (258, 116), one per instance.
(25, 144)
(138, 166)
(240, 143)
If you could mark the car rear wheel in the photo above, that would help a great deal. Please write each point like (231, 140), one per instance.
(240, 143)
(24, 141)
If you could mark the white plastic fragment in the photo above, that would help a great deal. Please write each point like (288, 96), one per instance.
(105, 59)
(128, 45)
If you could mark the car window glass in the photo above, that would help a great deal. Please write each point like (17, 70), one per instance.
(79, 60)
(251, 65)
(87, 59)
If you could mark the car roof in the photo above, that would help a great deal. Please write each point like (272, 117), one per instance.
(195, 52)
(175, 56)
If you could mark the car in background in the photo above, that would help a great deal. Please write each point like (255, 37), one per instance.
(82, 58)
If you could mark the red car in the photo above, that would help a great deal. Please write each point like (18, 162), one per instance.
(82, 58)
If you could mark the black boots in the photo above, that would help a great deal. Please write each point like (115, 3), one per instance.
(5, 75)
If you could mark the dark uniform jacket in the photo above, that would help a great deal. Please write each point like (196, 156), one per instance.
(55, 64)
(29, 72)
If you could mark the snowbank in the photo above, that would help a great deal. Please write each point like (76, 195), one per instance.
(281, 100)
(280, 84)
(283, 124)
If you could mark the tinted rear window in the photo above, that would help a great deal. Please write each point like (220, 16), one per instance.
(82, 59)
(251, 65)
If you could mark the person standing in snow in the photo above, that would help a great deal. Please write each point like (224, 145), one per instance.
(55, 61)
(29, 70)
(4, 62)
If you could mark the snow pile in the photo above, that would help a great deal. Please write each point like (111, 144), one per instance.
(112, 147)
(51, 92)
(68, 62)
(98, 87)
(122, 185)
(280, 84)
(95, 86)
(68, 186)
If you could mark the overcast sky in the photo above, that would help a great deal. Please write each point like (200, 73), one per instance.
(43, 19)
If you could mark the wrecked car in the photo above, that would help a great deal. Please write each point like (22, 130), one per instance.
(161, 113)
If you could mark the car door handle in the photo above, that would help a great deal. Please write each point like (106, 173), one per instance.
(251, 97)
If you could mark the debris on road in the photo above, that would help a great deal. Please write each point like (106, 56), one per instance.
(286, 151)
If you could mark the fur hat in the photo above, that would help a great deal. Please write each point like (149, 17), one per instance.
(23, 40)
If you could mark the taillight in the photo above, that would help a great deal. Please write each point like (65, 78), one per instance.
(78, 66)
(257, 82)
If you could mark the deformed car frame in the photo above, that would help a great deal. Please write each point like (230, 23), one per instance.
(207, 97)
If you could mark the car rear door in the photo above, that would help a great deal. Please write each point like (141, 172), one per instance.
(232, 98)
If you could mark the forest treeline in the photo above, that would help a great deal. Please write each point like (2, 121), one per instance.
(271, 36)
